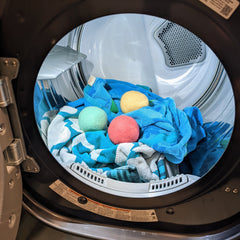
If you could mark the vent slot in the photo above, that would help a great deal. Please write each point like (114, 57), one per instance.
(168, 183)
(180, 47)
(87, 174)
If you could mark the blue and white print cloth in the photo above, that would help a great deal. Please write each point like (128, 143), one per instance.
(166, 134)
(133, 162)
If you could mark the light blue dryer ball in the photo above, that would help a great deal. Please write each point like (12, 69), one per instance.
(92, 119)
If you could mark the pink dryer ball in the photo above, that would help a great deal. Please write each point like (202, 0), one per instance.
(123, 129)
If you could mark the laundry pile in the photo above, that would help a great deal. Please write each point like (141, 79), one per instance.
(167, 135)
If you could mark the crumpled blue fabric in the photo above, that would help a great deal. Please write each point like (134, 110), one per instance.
(167, 134)
(44, 102)
(165, 128)
(209, 150)
(132, 162)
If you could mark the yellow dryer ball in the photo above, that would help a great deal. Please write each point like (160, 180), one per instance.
(133, 100)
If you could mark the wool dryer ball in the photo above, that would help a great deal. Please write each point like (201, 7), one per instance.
(133, 100)
(92, 119)
(123, 129)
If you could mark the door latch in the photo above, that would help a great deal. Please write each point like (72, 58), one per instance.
(11, 136)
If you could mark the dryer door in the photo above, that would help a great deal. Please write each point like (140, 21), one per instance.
(10, 199)
(10, 156)
(69, 186)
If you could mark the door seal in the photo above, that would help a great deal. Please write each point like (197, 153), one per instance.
(15, 152)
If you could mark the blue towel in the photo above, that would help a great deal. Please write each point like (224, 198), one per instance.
(167, 135)
(132, 162)
(165, 128)
(209, 150)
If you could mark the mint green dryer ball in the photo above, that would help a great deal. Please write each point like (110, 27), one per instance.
(92, 119)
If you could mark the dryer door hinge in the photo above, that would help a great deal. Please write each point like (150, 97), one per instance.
(11, 136)
(14, 154)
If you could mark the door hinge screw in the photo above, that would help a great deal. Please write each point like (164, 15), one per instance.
(227, 189)
(235, 190)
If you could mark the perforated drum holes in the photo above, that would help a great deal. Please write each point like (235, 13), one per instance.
(185, 48)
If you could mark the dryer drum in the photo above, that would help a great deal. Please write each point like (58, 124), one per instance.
(144, 51)
(186, 65)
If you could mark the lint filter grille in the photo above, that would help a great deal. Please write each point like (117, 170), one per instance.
(180, 47)
(170, 183)
(88, 174)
